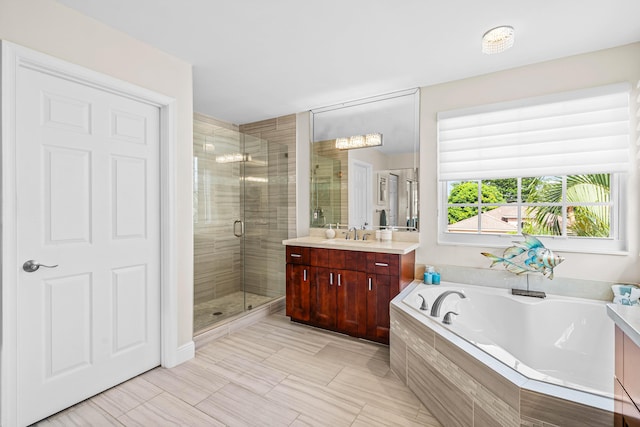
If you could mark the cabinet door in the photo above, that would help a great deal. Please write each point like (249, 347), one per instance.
(298, 292)
(631, 358)
(351, 302)
(323, 297)
(378, 299)
(630, 414)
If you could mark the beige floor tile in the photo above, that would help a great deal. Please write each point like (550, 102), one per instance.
(376, 417)
(272, 373)
(253, 376)
(126, 396)
(166, 410)
(337, 353)
(298, 340)
(236, 406)
(189, 382)
(307, 421)
(304, 366)
(316, 401)
(229, 347)
(425, 418)
(379, 393)
(86, 413)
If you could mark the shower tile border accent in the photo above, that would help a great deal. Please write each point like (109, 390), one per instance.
(460, 392)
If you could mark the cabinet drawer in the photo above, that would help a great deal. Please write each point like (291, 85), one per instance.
(319, 257)
(297, 255)
(384, 264)
(348, 260)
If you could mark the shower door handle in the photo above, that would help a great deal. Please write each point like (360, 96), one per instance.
(235, 228)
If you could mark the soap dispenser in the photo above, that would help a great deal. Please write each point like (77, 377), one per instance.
(330, 233)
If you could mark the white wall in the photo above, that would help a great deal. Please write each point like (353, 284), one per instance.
(51, 28)
(593, 69)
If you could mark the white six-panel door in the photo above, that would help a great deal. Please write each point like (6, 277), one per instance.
(87, 179)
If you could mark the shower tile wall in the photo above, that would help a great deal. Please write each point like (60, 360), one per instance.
(330, 189)
(212, 221)
(263, 248)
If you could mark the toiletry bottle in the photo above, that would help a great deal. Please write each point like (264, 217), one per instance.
(435, 278)
(428, 277)
(330, 233)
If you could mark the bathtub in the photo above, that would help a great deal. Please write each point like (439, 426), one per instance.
(558, 346)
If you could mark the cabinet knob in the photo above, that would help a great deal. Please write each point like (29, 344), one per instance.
(331, 278)
(339, 279)
(370, 280)
(304, 274)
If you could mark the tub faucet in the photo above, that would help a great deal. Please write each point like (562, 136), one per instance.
(423, 306)
(435, 308)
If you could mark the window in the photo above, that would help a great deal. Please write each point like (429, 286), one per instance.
(553, 167)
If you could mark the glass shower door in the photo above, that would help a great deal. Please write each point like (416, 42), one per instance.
(240, 219)
(264, 205)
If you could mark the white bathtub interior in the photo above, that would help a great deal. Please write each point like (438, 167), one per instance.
(558, 340)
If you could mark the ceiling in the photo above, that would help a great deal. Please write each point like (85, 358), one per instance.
(257, 59)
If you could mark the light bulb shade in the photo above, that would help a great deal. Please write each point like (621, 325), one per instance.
(359, 141)
(498, 39)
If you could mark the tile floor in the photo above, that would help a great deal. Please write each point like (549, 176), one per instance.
(273, 373)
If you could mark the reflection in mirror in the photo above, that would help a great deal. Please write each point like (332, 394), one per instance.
(372, 187)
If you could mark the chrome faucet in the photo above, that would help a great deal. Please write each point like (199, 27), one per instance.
(435, 308)
(355, 233)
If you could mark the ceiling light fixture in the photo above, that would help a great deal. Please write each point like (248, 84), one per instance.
(498, 39)
(359, 141)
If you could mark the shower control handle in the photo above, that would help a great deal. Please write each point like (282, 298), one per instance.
(31, 266)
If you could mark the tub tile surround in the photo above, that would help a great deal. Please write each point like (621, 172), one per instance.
(500, 278)
(461, 391)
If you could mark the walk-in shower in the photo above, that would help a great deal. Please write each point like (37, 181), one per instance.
(240, 206)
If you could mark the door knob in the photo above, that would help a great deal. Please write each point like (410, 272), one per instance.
(31, 266)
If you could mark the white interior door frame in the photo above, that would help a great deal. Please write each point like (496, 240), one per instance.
(14, 57)
(354, 219)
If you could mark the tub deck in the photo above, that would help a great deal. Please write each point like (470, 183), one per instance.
(463, 385)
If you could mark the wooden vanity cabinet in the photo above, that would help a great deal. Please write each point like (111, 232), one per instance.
(627, 381)
(346, 291)
(298, 301)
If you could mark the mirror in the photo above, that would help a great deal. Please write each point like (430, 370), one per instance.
(375, 186)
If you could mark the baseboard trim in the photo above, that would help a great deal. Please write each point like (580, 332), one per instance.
(183, 353)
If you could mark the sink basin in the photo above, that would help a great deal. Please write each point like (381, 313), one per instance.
(345, 242)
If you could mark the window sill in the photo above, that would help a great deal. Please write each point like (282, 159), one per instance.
(557, 244)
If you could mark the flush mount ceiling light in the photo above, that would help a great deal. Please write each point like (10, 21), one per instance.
(498, 39)
(359, 141)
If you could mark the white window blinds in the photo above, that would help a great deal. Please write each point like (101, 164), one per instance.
(580, 132)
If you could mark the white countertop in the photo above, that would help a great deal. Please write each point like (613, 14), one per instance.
(391, 247)
(626, 318)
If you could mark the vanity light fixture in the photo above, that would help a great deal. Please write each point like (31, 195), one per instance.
(498, 39)
(359, 141)
(233, 158)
